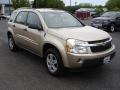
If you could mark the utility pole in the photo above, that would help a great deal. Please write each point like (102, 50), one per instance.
(70, 3)
(9, 7)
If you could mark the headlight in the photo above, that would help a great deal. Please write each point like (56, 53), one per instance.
(106, 22)
(76, 46)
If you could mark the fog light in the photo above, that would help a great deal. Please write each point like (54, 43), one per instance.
(80, 61)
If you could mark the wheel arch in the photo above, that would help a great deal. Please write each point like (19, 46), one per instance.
(9, 33)
(47, 46)
(58, 48)
(113, 23)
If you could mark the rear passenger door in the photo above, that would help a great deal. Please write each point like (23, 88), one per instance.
(19, 27)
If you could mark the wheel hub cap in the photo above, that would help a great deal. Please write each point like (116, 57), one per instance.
(11, 43)
(52, 63)
(112, 28)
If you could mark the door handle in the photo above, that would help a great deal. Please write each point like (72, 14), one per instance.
(13, 25)
(25, 29)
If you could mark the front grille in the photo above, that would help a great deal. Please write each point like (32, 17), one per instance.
(100, 48)
(99, 41)
(96, 62)
(98, 21)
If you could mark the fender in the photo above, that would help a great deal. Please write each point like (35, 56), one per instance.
(56, 42)
(10, 30)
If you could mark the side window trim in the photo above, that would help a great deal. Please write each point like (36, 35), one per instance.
(17, 16)
(39, 21)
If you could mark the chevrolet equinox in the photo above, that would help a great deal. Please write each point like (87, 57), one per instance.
(59, 38)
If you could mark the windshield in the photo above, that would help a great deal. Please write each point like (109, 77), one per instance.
(109, 14)
(60, 20)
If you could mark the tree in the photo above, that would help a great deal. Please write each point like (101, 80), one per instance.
(72, 9)
(113, 5)
(99, 9)
(20, 3)
(48, 4)
(86, 5)
(15, 4)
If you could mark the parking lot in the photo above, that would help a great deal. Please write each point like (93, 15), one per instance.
(25, 71)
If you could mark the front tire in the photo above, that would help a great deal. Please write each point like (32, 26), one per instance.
(112, 28)
(53, 62)
(11, 43)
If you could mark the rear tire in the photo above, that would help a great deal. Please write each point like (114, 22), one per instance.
(11, 43)
(112, 28)
(53, 62)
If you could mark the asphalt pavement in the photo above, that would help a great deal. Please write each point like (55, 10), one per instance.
(25, 71)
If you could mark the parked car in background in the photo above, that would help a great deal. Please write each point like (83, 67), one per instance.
(59, 38)
(91, 10)
(2, 16)
(6, 17)
(109, 21)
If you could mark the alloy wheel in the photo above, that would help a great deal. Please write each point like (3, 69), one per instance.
(52, 63)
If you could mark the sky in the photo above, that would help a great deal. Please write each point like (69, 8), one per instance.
(94, 2)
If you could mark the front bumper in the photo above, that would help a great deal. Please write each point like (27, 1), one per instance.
(83, 60)
(100, 26)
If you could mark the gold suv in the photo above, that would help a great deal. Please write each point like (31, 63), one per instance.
(62, 40)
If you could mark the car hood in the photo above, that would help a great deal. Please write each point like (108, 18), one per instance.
(86, 33)
(102, 18)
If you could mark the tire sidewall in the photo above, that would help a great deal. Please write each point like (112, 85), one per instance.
(59, 70)
(112, 25)
(14, 45)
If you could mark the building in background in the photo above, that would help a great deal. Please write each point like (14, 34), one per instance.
(6, 7)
